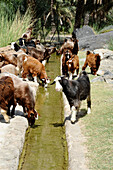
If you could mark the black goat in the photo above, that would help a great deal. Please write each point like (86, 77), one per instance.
(75, 91)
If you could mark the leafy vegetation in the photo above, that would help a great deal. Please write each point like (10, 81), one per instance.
(12, 29)
(63, 14)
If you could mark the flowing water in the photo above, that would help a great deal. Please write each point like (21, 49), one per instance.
(45, 147)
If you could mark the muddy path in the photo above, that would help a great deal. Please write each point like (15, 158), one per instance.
(46, 146)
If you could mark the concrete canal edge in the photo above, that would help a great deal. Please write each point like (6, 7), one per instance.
(75, 139)
(12, 137)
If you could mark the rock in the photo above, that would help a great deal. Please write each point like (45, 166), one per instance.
(98, 79)
(92, 42)
(109, 81)
(106, 76)
(105, 53)
(100, 73)
(83, 32)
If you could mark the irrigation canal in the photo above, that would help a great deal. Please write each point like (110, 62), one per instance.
(45, 147)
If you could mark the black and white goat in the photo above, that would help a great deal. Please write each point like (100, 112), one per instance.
(75, 91)
(24, 42)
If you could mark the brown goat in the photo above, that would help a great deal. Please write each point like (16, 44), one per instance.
(67, 54)
(24, 96)
(93, 61)
(10, 68)
(51, 50)
(34, 67)
(38, 54)
(27, 34)
(7, 97)
(8, 59)
(73, 64)
(71, 44)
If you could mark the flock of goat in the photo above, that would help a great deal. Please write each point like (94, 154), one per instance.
(28, 62)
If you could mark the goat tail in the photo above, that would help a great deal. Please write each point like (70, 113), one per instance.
(88, 52)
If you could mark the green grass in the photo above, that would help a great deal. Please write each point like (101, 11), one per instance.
(104, 31)
(110, 45)
(11, 30)
(98, 126)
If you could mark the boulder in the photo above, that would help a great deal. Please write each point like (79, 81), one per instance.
(83, 32)
(106, 76)
(89, 41)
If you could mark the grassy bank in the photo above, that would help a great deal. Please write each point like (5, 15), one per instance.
(11, 30)
(98, 126)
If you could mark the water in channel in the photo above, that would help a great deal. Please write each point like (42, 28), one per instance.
(46, 144)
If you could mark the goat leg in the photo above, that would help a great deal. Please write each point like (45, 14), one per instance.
(13, 111)
(89, 104)
(73, 114)
(6, 117)
(85, 65)
(77, 71)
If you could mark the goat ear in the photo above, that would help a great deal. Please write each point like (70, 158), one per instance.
(88, 52)
(72, 39)
(65, 40)
(83, 72)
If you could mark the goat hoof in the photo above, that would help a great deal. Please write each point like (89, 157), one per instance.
(7, 121)
(72, 122)
(6, 118)
(88, 111)
(12, 116)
